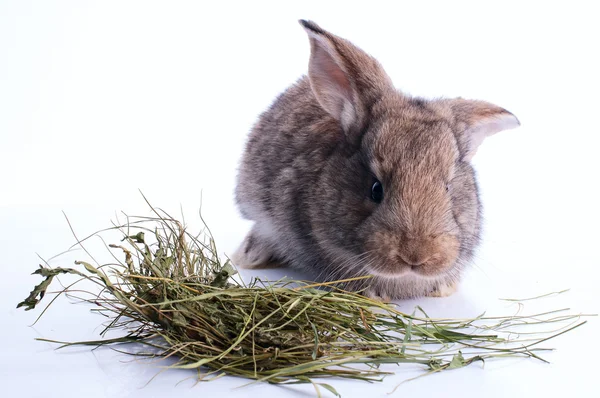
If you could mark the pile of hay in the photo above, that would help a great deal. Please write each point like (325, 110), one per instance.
(172, 292)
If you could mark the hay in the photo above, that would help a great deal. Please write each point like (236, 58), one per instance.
(171, 292)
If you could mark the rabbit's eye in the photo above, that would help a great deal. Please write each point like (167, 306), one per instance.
(377, 191)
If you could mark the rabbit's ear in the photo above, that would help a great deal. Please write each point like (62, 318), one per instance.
(344, 79)
(477, 120)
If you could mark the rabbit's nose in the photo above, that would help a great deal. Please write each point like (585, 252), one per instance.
(415, 259)
(415, 254)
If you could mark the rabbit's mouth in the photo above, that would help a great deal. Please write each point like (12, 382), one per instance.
(400, 271)
(427, 257)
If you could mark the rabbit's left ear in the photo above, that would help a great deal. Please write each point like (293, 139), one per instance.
(346, 81)
(477, 120)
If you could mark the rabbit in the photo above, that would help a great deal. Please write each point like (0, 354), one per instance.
(345, 176)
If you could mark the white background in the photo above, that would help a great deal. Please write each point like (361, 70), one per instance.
(101, 98)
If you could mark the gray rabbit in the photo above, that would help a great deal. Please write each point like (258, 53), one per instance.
(345, 176)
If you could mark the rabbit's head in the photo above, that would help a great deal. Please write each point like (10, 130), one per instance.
(403, 199)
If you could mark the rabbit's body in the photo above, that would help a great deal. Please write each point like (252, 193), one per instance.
(345, 176)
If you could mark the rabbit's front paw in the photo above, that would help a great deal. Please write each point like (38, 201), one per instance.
(444, 289)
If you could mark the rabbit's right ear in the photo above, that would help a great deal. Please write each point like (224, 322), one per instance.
(344, 79)
(477, 120)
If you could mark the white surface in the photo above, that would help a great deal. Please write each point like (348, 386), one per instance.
(98, 99)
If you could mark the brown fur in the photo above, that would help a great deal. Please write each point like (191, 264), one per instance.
(306, 177)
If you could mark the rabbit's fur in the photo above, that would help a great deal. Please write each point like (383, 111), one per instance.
(311, 160)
